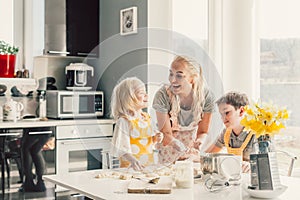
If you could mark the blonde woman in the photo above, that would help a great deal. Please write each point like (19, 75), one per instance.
(133, 137)
(183, 109)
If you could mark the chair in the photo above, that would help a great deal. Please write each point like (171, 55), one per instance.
(10, 149)
(14, 152)
(292, 160)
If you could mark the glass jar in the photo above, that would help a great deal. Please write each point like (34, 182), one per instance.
(184, 176)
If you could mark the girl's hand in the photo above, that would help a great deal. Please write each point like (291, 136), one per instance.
(158, 138)
(134, 163)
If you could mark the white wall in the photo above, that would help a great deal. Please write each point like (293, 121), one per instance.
(11, 15)
(240, 46)
(7, 19)
(33, 31)
(159, 17)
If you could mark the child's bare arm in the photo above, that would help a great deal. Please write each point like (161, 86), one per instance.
(213, 149)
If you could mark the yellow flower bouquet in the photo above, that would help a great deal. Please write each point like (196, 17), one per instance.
(264, 119)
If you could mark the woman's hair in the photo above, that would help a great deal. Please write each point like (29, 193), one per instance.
(195, 71)
(235, 99)
(123, 99)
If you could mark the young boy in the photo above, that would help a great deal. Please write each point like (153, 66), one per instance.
(236, 140)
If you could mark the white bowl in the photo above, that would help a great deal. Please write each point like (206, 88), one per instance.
(265, 194)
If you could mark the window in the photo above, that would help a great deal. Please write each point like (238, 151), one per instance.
(280, 66)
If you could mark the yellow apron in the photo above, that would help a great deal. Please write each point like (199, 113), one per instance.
(236, 151)
(141, 141)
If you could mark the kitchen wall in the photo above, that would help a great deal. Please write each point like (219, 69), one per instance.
(120, 56)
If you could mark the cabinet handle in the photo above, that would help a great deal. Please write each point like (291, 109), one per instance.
(86, 54)
(82, 142)
(39, 132)
(9, 134)
(59, 52)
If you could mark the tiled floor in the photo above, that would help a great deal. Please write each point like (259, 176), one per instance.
(13, 194)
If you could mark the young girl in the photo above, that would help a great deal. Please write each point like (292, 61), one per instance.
(133, 135)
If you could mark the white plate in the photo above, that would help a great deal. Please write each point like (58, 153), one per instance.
(31, 119)
(265, 194)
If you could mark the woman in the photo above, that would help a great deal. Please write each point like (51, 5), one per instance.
(32, 145)
(183, 110)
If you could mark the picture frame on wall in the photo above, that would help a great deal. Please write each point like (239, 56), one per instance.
(128, 21)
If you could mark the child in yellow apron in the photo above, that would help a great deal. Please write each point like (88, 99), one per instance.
(133, 137)
(236, 140)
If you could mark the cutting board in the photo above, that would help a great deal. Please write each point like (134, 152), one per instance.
(164, 186)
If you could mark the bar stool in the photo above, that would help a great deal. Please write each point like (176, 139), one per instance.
(9, 152)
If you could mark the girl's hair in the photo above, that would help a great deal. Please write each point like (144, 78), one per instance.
(235, 99)
(195, 71)
(123, 99)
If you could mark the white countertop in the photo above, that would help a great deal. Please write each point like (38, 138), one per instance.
(108, 188)
(52, 122)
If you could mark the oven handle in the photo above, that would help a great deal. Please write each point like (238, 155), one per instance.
(40, 132)
(10, 134)
(72, 142)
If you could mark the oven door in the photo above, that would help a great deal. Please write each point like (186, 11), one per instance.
(82, 154)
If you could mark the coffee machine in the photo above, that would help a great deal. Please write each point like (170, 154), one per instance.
(79, 76)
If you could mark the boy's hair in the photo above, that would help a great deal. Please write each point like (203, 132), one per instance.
(123, 99)
(235, 99)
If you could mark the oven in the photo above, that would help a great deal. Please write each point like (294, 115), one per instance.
(82, 147)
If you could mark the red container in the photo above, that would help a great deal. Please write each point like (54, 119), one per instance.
(7, 66)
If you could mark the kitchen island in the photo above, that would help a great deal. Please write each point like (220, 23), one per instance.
(110, 188)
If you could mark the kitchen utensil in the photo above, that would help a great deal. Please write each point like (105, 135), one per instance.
(227, 166)
(184, 176)
(148, 180)
(164, 186)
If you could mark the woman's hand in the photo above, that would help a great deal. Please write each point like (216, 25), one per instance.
(200, 140)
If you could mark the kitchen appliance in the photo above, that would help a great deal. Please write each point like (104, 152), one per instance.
(82, 147)
(79, 76)
(227, 166)
(63, 104)
(264, 171)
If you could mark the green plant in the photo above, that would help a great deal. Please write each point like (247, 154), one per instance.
(6, 48)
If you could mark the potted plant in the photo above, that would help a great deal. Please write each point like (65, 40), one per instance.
(7, 59)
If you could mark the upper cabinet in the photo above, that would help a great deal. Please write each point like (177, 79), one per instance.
(71, 27)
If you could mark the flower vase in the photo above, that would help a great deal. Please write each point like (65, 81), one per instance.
(264, 167)
(264, 144)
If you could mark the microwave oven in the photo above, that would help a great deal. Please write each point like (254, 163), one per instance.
(62, 104)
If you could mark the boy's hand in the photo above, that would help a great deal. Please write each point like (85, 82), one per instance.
(245, 167)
